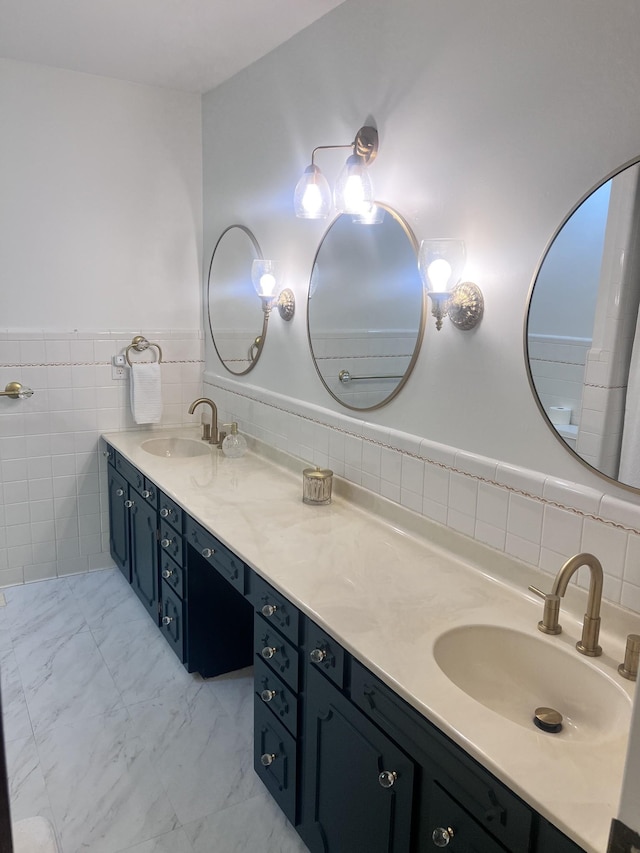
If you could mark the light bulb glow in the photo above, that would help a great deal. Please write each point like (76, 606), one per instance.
(439, 273)
(441, 263)
(353, 192)
(312, 200)
(267, 284)
(312, 196)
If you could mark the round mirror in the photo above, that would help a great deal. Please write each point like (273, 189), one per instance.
(582, 338)
(366, 306)
(236, 319)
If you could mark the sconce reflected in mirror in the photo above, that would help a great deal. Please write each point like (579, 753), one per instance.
(441, 263)
(264, 275)
(353, 192)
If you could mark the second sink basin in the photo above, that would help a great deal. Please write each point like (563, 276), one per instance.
(513, 673)
(181, 448)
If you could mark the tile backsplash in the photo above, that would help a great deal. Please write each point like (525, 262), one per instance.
(53, 516)
(539, 519)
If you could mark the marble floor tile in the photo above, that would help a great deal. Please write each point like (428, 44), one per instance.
(43, 610)
(254, 826)
(105, 598)
(204, 759)
(104, 789)
(27, 788)
(64, 680)
(15, 714)
(140, 660)
(172, 842)
(234, 691)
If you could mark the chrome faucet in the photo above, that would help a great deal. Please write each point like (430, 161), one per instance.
(209, 432)
(588, 644)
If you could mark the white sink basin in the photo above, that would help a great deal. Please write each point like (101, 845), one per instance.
(178, 448)
(513, 673)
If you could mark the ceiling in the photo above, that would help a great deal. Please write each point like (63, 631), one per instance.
(190, 45)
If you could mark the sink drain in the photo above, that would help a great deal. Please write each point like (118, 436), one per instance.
(548, 720)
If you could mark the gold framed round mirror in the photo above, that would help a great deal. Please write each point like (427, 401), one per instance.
(582, 335)
(236, 319)
(366, 308)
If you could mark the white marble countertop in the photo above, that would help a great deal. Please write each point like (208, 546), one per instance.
(386, 583)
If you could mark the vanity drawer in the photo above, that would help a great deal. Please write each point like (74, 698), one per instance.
(216, 554)
(323, 653)
(170, 512)
(275, 759)
(275, 608)
(129, 472)
(275, 695)
(173, 620)
(444, 815)
(278, 653)
(172, 574)
(502, 814)
(171, 543)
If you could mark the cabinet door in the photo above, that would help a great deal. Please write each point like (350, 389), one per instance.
(358, 785)
(172, 620)
(118, 492)
(144, 553)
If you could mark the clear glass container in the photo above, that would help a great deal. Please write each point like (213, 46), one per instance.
(234, 444)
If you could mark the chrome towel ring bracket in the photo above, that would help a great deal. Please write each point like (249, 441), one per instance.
(140, 344)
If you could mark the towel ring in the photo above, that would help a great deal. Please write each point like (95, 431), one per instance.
(140, 344)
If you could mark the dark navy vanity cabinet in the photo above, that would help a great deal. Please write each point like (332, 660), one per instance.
(352, 765)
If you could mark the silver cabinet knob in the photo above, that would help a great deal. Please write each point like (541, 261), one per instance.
(441, 836)
(166, 574)
(166, 542)
(387, 778)
(107, 454)
(167, 620)
(147, 494)
(128, 504)
(269, 609)
(267, 759)
(164, 512)
(268, 652)
(267, 695)
(119, 492)
(207, 552)
(317, 655)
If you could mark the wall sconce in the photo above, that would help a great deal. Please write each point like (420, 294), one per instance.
(264, 278)
(353, 192)
(441, 263)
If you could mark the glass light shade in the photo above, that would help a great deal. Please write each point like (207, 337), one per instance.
(264, 278)
(312, 196)
(441, 263)
(353, 192)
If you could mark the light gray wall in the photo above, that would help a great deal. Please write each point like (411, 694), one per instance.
(101, 213)
(495, 118)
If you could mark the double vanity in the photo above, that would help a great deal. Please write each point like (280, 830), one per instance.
(398, 666)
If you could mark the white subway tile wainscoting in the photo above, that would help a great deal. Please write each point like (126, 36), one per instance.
(528, 515)
(52, 499)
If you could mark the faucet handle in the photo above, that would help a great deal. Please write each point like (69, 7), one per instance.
(629, 669)
(551, 613)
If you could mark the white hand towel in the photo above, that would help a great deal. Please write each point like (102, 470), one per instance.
(146, 392)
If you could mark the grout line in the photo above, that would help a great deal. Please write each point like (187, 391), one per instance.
(452, 469)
